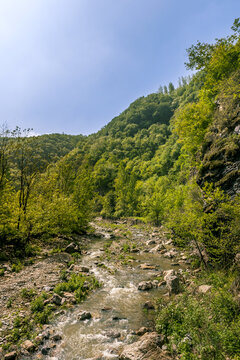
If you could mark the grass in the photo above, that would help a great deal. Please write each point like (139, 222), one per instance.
(27, 293)
(203, 326)
(2, 271)
(17, 267)
(78, 284)
(37, 305)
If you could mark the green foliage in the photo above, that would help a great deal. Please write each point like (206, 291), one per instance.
(145, 163)
(203, 326)
(190, 124)
(42, 317)
(9, 302)
(37, 305)
(17, 267)
(28, 293)
(22, 328)
(2, 271)
(80, 285)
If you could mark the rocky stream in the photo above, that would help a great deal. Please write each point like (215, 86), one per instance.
(135, 267)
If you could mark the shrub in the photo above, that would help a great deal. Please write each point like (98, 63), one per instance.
(203, 326)
(79, 284)
(28, 293)
(37, 305)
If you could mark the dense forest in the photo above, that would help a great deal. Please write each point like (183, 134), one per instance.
(171, 158)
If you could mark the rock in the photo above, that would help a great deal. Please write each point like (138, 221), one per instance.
(147, 267)
(45, 335)
(39, 357)
(70, 297)
(47, 301)
(63, 301)
(142, 331)
(145, 285)
(148, 347)
(168, 273)
(135, 250)
(203, 289)
(155, 284)
(237, 299)
(11, 356)
(237, 130)
(113, 334)
(150, 242)
(56, 299)
(84, 269)
(28, 345)
(24, 352)
(168, 255)
(148, 305)
(158, 248)
(56, 337)
(84, 315)
(117, 318)
(71, 248)
(173, 284)
(48, 288)
(39, 339)
(45, 350)
(162, 283)
(196, 270)
(237, 259)
(106, 308)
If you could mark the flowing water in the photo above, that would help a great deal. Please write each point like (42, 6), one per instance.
(116, 308)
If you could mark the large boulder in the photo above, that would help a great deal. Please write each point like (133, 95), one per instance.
(148, 347)
(173, 284)
(219, 154)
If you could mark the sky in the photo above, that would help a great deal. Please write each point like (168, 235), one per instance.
(70, 66)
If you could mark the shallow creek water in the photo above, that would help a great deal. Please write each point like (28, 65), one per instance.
(117, 307)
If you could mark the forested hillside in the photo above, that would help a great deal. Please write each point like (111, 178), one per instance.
(171, 159)
(165, 159)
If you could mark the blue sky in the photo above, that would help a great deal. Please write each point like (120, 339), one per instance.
(72, 65)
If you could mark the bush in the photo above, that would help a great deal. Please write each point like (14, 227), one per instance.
(203, 326)
(37, 305)
(17, 267)
(80, 285)
(28, 293)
